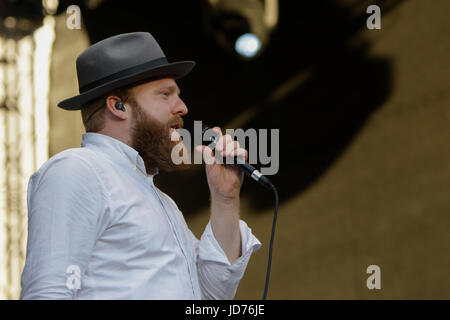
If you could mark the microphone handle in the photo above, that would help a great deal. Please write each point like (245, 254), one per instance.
(244, 166)
(253, 173)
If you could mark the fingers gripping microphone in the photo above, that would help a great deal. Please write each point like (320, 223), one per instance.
(248, 169)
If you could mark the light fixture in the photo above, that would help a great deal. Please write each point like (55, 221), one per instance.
(248, 45)
(242, 27)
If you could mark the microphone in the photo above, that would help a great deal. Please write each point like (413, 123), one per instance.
(248, 169)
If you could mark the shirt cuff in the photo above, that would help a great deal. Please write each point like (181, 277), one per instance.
(210, 249)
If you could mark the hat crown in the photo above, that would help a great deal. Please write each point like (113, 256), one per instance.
(120, 61)
(114, 54)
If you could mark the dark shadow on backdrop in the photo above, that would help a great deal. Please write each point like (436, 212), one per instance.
(316, 41)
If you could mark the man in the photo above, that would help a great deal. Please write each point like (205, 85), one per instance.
(98, 226)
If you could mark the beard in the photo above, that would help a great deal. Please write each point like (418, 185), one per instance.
(152, 140)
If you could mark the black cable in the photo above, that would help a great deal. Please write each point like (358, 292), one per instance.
(275, 214)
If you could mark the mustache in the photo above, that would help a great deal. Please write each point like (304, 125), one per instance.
(178, 122)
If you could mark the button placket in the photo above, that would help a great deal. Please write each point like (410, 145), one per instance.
(180, 239)
(182, 243)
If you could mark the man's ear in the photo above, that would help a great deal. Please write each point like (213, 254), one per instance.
(117, 107)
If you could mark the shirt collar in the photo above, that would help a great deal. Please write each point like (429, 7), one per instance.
(117, 149)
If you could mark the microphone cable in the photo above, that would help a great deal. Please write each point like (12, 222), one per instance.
(272, 236)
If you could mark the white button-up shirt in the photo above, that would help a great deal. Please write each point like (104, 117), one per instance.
(98, 228)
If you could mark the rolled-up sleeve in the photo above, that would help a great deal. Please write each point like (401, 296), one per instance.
(64, 204)
(219, 279)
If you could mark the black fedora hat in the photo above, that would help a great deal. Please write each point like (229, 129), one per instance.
(119, 61)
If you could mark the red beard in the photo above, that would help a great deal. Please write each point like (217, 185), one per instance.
(152, 140)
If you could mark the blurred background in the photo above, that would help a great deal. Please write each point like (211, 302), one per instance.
(363, 115)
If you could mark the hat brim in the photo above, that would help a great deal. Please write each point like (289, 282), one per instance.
(174, 70)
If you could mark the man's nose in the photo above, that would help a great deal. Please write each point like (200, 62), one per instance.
(180, 108)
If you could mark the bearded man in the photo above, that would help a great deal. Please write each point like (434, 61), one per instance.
(98, 226)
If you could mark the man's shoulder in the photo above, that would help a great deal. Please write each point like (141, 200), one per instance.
(67, 172)
(70, 161)
(72, 155)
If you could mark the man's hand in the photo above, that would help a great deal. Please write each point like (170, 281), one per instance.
(225, 183)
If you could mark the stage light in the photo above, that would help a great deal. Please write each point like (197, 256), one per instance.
(241, 27)
(248, 45)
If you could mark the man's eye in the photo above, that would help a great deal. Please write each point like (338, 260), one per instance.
(166, 93)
